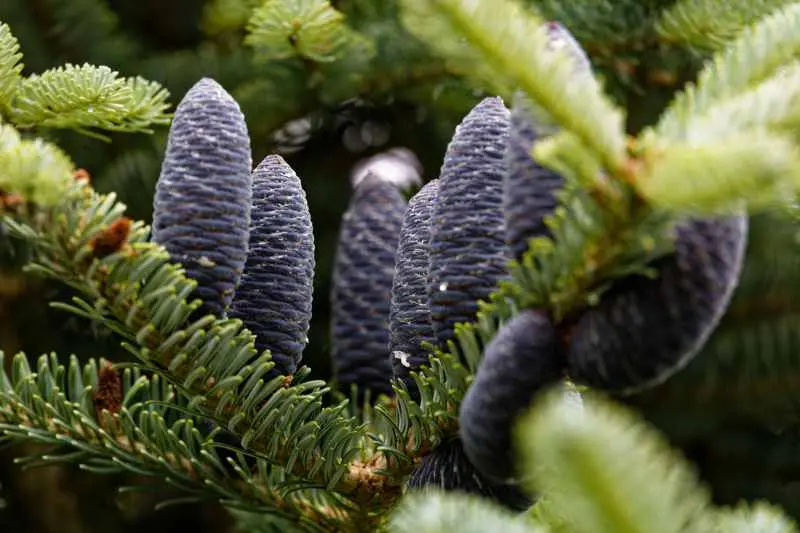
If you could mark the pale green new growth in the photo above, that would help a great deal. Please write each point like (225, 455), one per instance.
(87, 96)
(38, 171)
(10, 66)
(607, 472)
(504, 46)
(226, 15)
(753, 169)
(434, 512)
(773, 104)
(756, 518)
(711, 24)
(759, 51)
(311, 29)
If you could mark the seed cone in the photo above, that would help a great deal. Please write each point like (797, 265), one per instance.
(410, 316)
(644, 330)
(519, 362)
(468, 253)
(275, 294)
(447, 468)
(529, 189)
(201, 209)
(363, 274)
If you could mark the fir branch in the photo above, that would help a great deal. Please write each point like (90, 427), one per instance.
(505, 47)
(220, 16)
(752, 169)
(10, 67)
(757, 54)
(438, 512)
(34, 170)
(133, 431)
(711, 24)
(309, 29)
(758, 517)
(84, 97)
(772, 104)
(136, 292)
(607, 472)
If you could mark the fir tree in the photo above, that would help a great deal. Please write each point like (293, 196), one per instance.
(688, 124)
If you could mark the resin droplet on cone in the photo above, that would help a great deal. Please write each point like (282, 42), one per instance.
(275, 294)
(201, 209)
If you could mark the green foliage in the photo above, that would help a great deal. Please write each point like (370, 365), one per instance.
(607, 472)
(758, 53)
(36, 170)
(498, 35)
(443, 513)
(711, 25)
(82, 98)
(10, 66)
(756, 167)
(311, 29)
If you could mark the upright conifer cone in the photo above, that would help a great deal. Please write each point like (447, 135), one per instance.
(363, 273)
(468, 253)
(519, 362)
(643, 330)
(201, 209)
(410, 317)
(448, 468)
(529, 192)
(275, 294)
(529, 189)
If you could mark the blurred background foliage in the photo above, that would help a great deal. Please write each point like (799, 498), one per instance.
(325, 102)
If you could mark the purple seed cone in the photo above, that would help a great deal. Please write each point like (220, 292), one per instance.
(529, 192)
(363, 273)
(644, 330)
(410, 317)
(447, 468)
(529, 189)
(275, 294)
(201, 210)
(468, 253)
(519, 362)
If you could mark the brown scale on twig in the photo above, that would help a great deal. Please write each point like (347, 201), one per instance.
(108, 395)
(82, 175)
(112, 239)
(11, 202)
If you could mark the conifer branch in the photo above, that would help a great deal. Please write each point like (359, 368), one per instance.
(127, 426)
(34, 170)
(132, 289)
(773, 104)
(760, 516)
(608, 472)
(754, 56)
(445, 512)
(754, 168)
(309, 29)
(10, 67)
(88, 97)
(504, 47)
(711, 24)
